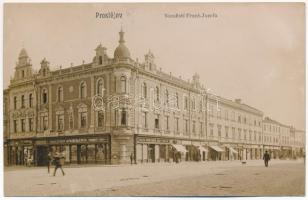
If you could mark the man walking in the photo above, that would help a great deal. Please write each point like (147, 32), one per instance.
(266, 158)
(58, 163)
(49, 161)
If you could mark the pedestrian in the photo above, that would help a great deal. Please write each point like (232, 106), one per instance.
(58, 163)
(266, 158)
(49, 159)
(131, 158)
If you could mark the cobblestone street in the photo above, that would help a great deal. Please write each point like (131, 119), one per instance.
(220, 178)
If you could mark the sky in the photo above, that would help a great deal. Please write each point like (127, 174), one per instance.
(255, 51)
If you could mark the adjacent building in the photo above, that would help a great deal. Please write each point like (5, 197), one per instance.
(113, 109)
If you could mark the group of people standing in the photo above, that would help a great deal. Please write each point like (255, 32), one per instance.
(58, 160)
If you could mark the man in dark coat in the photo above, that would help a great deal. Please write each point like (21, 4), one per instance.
(266, 158)
(49, 159)
(58, 163)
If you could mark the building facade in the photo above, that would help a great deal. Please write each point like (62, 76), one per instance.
(114, 109)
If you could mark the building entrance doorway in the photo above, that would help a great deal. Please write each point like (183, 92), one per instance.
(42, 154)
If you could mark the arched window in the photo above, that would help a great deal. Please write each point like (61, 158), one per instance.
(100, 60)
(144, 90)
(123, 84)
(100, 87)
(157, 93)
(167, 97)
(60, 94)
(30, 100)
(44, 96)
(83, 90)
(123, 117)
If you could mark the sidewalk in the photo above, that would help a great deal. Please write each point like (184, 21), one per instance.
(38, 182)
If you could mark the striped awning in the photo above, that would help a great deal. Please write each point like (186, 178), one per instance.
(179, 148)
(217, 148)
(202, 148)
(233, 150)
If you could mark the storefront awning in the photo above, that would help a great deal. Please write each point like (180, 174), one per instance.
(217, 148)
(233, 150)
(201, 148)
(179, 148)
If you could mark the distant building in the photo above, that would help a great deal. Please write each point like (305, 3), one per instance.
(113, 108)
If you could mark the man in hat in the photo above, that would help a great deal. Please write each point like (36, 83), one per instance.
(266, 158)
(58, 163)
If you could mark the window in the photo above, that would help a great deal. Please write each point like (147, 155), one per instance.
(194, 127)
(22, 101)
(245, 131)
(201, 128)
(144, 90)
(186, 126)
(44, 123)
(123, 84)
(157, 121)
(100, 87)
(100, 60)
(144, 121)
(233, 132)
(255, 122)
(185, 103)
(83, 119)
(30, 100)
(30, 121)
(193, 105)
(200, 106)
(45, 96)
(123, 117)
(219, 130)
(219, 113)
(245, 120)
(100, 119)
(15, 126)
(239, 119)
(60, 94)
(60, 122)
(227, 131)
(166, 97)
(250, 136)
(22, 73)
(71, 121)
(177, 100)
(83, 90)
(226, 115)
(239, 133)
(177, 124)
(211, 130)
(15, 103)
(157, 94)
(167, 123)
(211, 111)
(115, 84)
(23, 125)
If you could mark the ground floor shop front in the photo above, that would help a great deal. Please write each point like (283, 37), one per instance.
(76, 150)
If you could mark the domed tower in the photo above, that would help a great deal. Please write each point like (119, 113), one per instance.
(23, 67)
(121, 52)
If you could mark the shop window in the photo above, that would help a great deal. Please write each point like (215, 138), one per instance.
(123, 117)
(100, 119)
(91, 153)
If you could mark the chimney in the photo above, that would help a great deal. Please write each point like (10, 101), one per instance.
(238, 101)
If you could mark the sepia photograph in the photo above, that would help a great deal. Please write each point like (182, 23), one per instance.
(154, 99)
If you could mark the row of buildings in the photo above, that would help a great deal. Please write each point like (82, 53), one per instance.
(112, 109)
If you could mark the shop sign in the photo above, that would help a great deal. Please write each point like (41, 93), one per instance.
(26, 142)
(41, 142)
(152, 140)
(185, 142)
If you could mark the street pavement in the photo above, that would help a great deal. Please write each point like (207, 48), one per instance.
(214, 178)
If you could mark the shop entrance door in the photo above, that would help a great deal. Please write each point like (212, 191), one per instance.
(152, 153)
(42, 153)
(81, 154)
